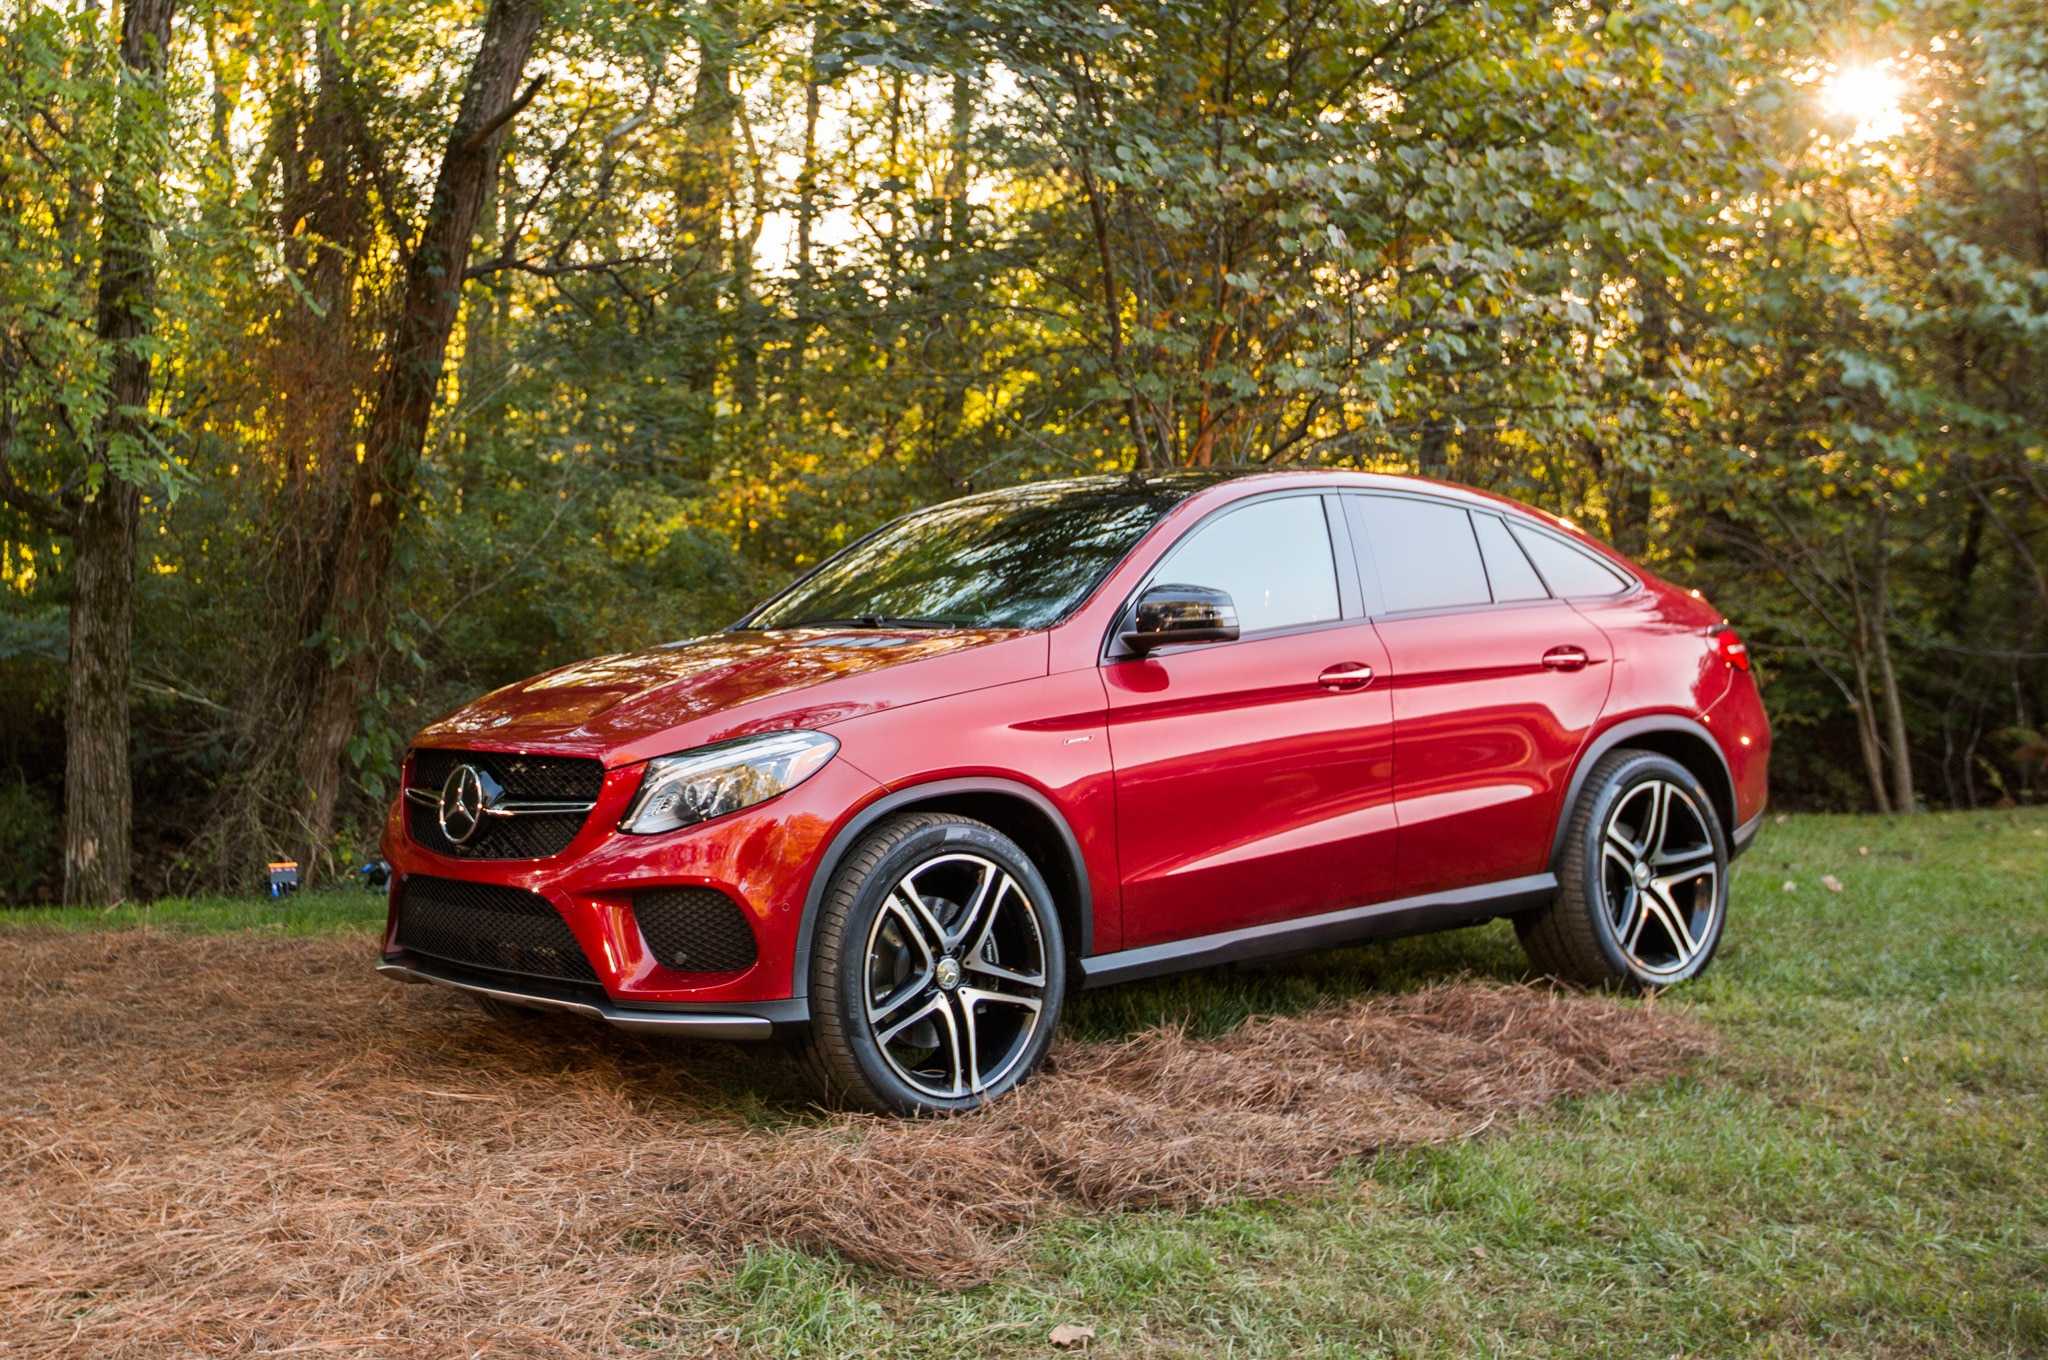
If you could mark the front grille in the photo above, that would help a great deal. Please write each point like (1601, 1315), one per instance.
(482, 925)
(697, 930)
(566, 779)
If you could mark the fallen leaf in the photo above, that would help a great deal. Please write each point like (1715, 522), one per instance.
(1068, 1335)
(1831, 883)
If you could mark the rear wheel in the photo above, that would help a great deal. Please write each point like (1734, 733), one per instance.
(1643, 882)
(937, 969)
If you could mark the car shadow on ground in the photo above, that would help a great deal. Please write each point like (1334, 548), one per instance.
(1215, 1001)
(761, 1083)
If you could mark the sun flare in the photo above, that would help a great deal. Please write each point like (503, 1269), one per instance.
(1869, 97)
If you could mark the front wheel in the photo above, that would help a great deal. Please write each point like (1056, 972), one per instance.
(937, 969)
(1643, 882)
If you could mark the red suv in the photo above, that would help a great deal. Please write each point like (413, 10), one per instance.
(1085, 731)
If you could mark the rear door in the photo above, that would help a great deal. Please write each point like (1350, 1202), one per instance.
(1496, 686)
(1253, 777)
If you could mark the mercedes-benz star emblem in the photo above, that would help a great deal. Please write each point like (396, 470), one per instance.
(462, 803)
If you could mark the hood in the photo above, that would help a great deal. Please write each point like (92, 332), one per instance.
(689, 693)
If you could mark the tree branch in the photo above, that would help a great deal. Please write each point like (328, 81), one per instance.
(477, 140)
(554, 270)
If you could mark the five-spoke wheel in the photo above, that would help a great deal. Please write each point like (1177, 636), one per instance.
(1642, 883)
(937, 971)
(1660, 877)
(956, 975)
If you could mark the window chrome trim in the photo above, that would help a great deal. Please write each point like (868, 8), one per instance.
(1629, 579)
(1368, 565)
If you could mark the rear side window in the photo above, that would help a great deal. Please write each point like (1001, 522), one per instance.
(1272, 556)
(1425, 552)
(1568, 570)
(1509, 571)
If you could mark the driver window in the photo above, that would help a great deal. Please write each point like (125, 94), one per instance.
(1274, 558)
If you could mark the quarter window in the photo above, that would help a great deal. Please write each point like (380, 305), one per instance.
(1425, 552)
(1508, 570)
(1568, 570)
(1272, 556)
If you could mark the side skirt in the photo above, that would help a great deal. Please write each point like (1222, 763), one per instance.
(1381, 920)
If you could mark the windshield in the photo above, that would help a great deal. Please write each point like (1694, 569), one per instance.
(1016, 559)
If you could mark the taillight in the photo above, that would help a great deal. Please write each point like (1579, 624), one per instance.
(1732, 648)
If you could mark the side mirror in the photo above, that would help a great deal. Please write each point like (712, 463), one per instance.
(1171, 613)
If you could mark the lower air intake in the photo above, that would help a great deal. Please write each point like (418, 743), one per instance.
(481, 925)
(695, 930)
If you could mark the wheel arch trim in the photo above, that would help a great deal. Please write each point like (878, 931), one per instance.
(1633, 729)
(939, 790)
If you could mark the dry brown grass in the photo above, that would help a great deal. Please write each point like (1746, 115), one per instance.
(257, 1146)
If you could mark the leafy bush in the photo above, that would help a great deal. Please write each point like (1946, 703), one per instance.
(28, 841)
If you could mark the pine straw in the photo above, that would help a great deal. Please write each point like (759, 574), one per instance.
(252, 1145)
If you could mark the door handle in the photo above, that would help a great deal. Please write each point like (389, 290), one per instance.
(1346, 675)
(1565, 659)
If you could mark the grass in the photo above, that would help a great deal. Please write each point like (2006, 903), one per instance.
(1862, 1171)
(308, 913)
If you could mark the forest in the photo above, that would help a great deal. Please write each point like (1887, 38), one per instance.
(358, 356)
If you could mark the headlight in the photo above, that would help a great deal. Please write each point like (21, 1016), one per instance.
(682, 790)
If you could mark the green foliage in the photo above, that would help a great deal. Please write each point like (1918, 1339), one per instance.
(1620, 261)
(28, 840)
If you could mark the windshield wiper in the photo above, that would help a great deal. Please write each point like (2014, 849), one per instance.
(879, 621)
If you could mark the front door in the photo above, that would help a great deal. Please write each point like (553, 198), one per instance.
(1254, 778)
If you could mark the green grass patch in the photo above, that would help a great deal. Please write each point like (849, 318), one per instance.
(306, 913)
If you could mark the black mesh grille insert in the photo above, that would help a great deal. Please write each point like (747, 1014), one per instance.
(555, 778)
(698, 930)
(486, 926)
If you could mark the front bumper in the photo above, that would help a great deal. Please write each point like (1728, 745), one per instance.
(1745, 835)
(762, 858)
(758, 1020)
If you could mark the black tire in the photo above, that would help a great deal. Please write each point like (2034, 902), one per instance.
(1641, 903)
(871, 948)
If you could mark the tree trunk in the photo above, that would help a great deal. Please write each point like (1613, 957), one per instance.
(1629, 501)
(749, 316)
(701, 199)
(99, 800)
(98, 796)
(945, 333)
(1888, 681)
(1864, 708)
(394, 435)
(1866, 737)
(806, 215)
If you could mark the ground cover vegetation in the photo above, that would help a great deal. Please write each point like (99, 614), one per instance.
(1830, 1145)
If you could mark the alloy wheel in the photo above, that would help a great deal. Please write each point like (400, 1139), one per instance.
(955, 976)
(1660, 877)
